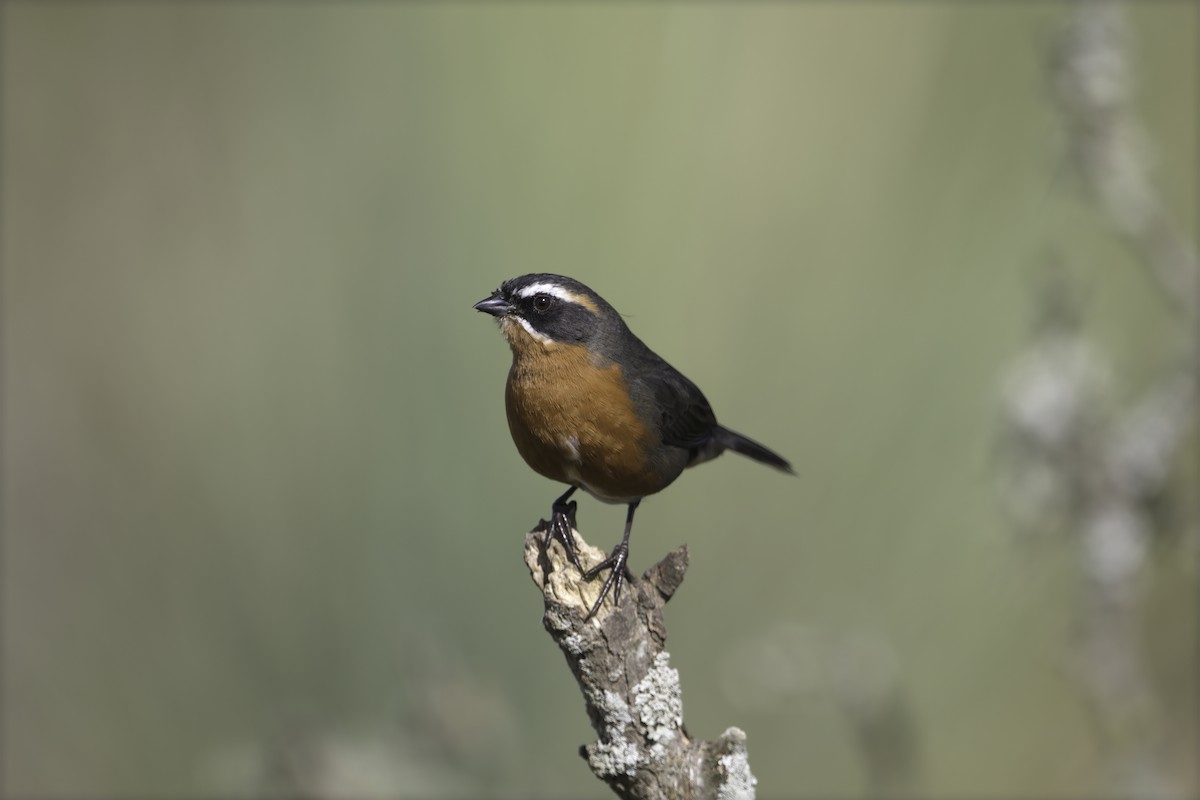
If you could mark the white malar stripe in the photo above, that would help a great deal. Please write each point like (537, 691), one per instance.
(541, 337)
(548, 288)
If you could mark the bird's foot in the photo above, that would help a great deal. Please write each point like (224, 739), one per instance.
(562, 521)
(616, 577)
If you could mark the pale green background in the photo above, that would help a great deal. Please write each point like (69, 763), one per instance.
(258, 487)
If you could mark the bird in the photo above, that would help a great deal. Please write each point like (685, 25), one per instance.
(591, 406)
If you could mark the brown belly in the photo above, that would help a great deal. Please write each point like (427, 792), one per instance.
(574, 422)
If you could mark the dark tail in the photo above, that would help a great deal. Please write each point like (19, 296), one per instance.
(752, 449)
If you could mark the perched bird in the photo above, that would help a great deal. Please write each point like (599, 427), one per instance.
(589, 405)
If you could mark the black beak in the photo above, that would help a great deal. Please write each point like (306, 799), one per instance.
(495, 305)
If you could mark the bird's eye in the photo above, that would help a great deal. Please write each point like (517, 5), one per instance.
(542, 302)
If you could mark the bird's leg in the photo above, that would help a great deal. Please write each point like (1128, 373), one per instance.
(615, 562)
(562, 520)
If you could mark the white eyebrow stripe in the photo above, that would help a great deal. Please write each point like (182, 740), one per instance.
(550, 289)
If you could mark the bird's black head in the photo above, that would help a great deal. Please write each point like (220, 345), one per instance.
(552, 310)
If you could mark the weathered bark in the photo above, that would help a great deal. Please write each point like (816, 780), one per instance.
(631, 692)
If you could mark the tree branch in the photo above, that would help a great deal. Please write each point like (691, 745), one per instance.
(1094, 89)
(1080, 464)
(631, 692)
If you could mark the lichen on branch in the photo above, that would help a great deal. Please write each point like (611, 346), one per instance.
(632, 693)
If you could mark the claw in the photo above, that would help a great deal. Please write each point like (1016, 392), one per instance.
(562, 523)
(616, 577)
(562, 520)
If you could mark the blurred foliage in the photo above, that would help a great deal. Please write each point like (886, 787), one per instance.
(262, 517)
